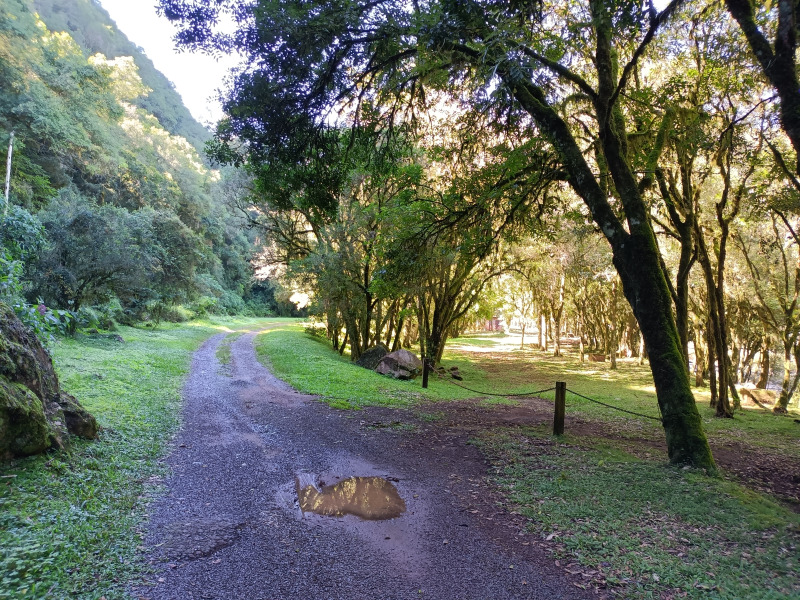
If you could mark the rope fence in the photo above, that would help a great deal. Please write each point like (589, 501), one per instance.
(520, 395)
(561, 390)
(630, 412)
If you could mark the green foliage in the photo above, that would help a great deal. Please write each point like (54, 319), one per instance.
(94, 31)
(21, 234)
(94, 252)
(44, 322)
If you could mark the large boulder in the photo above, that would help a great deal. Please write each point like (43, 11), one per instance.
(370, 358)
(400, 364)
(35, 414)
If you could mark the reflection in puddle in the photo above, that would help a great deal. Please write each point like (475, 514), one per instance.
(372, 498)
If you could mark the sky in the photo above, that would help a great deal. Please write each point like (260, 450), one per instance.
(196, 76)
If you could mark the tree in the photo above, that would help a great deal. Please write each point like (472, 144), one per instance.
(777, 59)
(93, 251)
(79, 133)
(772, 258)
(522, 62)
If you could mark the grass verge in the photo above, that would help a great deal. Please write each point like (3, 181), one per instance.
(642, 529)
(309, 364)
(69, 520)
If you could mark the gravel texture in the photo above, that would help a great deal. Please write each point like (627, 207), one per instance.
(229, 525)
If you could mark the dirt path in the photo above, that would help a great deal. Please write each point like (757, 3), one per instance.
(229, 525)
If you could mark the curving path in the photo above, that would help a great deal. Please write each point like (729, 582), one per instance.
(229, 525)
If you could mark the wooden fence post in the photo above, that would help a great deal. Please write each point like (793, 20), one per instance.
(425, 371)
(558, 418)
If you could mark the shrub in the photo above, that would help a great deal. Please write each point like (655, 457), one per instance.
(177, 314)
(231, 304)
(204, 306)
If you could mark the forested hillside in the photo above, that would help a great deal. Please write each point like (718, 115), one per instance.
(112, 212)
(91, 27)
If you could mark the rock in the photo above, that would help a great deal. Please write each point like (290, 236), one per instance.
(79, 421)
(35, 414)
(754, 397)
(370, 358)
(400, 364)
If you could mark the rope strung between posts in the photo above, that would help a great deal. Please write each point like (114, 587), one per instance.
(630, 412)
(527, 394)
(521, 395)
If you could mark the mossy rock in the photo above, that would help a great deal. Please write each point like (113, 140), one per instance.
(24, 428)
(35, 414)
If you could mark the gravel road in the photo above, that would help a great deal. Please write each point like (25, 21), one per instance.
(229, 524)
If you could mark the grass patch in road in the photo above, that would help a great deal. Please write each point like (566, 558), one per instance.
(310, 365)
(69, 520)
(643, 528)
(224, 355)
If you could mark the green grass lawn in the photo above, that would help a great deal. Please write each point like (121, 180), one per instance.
(309, 364)
(641, 528)
(70, 521)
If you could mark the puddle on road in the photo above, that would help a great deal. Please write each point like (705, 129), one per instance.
(371, 498)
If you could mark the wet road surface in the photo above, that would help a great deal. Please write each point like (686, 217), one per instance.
(231, 525)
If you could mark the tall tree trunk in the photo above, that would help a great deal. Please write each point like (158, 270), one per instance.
(542, 332)
(711, 344)
(763, 378)
(557, 314)
(642, 351)
(718, 377)
(613, 322)
(396, 344)
(699, 358)
(783, 400)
